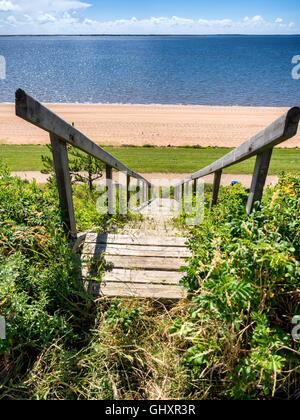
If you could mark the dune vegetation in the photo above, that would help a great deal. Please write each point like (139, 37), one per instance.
(232, 338)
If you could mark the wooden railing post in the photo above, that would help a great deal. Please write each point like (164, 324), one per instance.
(143, 192)
(109, 186)
(139, 193)
(146, 192)
(128, 192)
(195, 186)
(63, 180)
(178, 192)
(175, 192)
(216, 187)
(259, 178)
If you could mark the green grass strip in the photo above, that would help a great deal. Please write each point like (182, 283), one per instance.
(157, 159)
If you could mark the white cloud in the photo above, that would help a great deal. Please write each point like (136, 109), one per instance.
(34, 8)
(46, 18)
(61, 17)
(11, 20)
(257, 19)
(8, 6)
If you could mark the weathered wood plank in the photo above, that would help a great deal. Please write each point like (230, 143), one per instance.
(138, 276)
(143, 276)
(259, 178)
(216, 187)
(147, 263)
(37, 114)
(137, 250)
(63, 180)
(279, 131)
(135, 290)
(175, 241)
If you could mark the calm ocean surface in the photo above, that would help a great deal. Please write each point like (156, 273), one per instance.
(204, 70)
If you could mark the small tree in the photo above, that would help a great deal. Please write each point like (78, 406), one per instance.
(83, 167)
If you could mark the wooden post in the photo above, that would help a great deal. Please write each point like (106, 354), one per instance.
(109, 186)
(139, 191)
(143, 192)
(63, 180)
(195, 186)
(178, 192)
(146, 192)
(216, 187)
(128, 192)
(259, 178)
(186, 188)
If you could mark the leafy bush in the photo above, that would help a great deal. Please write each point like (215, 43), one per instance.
(232, 338)
(123, 317)
(244, 284)
(60, 344)
(40, 295)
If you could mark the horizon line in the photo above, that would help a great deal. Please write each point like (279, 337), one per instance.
(173, 35)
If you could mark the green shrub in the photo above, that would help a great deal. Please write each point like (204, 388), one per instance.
(60, 344)
(40, 296)
(244, 283)
(232, 339)
(123, 318)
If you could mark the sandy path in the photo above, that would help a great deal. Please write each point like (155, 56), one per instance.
(161, 179)
(147, 124)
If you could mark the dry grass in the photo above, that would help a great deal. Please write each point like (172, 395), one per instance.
(143, 361)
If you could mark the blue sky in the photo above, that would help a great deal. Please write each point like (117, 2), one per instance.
(149, 16)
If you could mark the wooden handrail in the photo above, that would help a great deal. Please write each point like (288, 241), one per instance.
(279, 131)
(37, 114)
(62, 133)
(260, 145)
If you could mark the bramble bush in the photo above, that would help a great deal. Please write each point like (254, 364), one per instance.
(243, 280)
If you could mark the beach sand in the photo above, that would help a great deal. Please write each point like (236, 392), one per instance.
(149, 124)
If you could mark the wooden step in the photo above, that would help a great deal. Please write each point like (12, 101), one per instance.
(142, 276)
(149, 262)
(175, 241)
(131, 289)
(137, 250)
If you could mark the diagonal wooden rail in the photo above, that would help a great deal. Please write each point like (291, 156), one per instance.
(61, 134)
(261, 146)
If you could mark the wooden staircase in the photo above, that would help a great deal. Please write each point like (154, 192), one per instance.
(143, 266)
(141, 263)
(144, 262)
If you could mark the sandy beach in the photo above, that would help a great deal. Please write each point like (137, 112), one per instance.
(149, 124)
